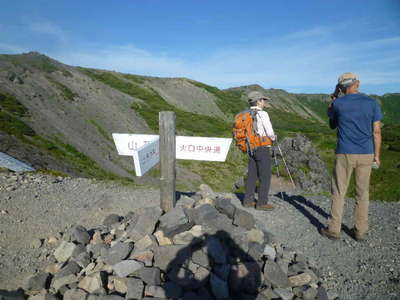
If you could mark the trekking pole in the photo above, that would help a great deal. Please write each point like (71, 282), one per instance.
(277, 171)
(287, 169)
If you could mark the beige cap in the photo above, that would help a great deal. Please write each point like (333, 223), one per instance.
(347, 79)
(255, 95)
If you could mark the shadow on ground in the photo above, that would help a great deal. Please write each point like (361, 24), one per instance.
(307, 208)
(213, 264)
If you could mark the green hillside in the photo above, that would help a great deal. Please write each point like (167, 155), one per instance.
(390, 104)
(316, 103)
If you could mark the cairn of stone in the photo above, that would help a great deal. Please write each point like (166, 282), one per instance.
(204, 248)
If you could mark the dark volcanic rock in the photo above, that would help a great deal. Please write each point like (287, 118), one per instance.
(175, 221)
(127, 267)
(170, 255)
(211, 220)
(225, 206)
(37, 282)
(201, 258)
(151, 276)
(111, 219)
(135, 288)
(245, 277)
(274, 275)
(70, 268)
(145, 221)
(81, 235)
(307, 168)
(244, 219)
(182, 276)
(118, 252)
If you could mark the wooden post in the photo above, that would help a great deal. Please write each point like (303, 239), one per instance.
(167, 160)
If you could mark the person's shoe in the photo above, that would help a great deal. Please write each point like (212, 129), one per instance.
(266, 207)
(329, 234)
(249, 204)
(356, 235)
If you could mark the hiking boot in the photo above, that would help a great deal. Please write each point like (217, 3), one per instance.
(329, 234)
(266, 207)
(249, 204)
(355, 234)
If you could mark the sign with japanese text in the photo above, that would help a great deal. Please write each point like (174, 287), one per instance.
(145, 149)
(202, 148)
(127, 144)
(146, 157)
(187, 147)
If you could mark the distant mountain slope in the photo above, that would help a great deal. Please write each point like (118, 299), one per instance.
(313, 106)
(283, 100)
(391, 107)
(68, 109)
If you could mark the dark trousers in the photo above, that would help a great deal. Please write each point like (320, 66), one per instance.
(259, 167)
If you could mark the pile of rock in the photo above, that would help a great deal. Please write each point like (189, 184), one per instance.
(307, 168)
(204, 248)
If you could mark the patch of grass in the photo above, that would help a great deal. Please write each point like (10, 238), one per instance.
(391, 137)
(65, 91)
(11, 110)
(186, 122)
(135, 78)
(14, 126)
(219, 175)
(78, 160)
(33, 60)
(229, 102)
(66, 73)
(315, 103)
(12, 105)
(102, 131)
(390, 104)
(51, 172)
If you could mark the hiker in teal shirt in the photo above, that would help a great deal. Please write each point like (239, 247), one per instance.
(357, 120)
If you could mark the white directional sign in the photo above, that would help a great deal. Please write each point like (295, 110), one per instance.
(146, 157)
(127, 144)
(187, 147)
(202, 148)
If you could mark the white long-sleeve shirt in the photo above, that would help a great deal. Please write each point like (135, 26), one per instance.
(264, 126)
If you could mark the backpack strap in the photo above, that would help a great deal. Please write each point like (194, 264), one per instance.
(253, 114)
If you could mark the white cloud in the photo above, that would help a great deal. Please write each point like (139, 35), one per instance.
(50, 29)
(276, 66)
(308, 60)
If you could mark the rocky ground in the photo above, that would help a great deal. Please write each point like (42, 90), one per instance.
(35, 207)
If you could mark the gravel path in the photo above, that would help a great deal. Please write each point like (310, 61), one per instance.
(352, 270)
(34, 207)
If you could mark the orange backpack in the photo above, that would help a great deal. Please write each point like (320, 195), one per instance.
(245, 132)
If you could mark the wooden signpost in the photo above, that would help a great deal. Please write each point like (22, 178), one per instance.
(148, 149)
(167, 160)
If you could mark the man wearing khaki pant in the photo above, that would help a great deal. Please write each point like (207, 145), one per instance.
(357, 119)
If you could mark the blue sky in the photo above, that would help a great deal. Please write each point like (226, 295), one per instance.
(299, 46)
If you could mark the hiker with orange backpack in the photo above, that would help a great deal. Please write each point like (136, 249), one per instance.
(254, 134)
